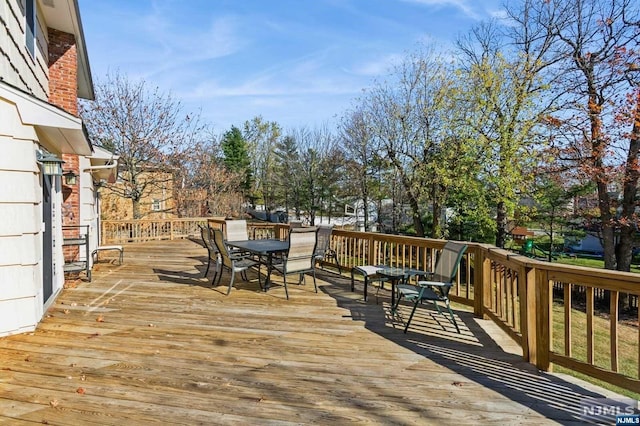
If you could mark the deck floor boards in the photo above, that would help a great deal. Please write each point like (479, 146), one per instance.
(149, 341)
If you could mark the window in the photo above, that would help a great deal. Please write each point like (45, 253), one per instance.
(31, 24)
(155, 205)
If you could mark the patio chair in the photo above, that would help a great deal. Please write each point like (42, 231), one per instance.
(299, 258)
(323, 247)
(236, 230)
(212, 250)
(437, 288)
(232, 262)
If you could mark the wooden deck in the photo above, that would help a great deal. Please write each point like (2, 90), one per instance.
(151, 342)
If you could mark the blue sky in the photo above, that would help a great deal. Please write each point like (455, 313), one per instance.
(296, 62)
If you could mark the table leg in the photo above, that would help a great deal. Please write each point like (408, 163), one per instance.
(269, 265)
(393, 295)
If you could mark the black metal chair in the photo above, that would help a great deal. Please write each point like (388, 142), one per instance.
(437, 288)
(323, 247)
(233, 262)
(212, 250)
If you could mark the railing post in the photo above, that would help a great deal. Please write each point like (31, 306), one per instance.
(481, 274)
(171, 229)
(528, 308)
(371, 251)
(543, 306)
(486, 283)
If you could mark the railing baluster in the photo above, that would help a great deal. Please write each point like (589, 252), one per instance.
(613, 329)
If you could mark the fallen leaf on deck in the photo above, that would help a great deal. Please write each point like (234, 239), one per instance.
(54, 403)
(80, 391)
(100, 319)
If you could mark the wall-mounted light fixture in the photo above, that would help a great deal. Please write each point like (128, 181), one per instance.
(70, 178)
(51, 165)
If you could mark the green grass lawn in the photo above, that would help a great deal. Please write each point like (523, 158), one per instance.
(591, 263)
(627, 346)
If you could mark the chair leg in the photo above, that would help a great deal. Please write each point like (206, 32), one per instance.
(335, 257)
(398, 297)
(413, 311)
(216, 277)
(314, 280)
(284, 277)
(208, 265)
(233, 274)
(259, 279)
(220, 275)
(453, 319)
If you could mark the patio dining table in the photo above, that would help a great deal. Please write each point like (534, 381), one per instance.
(395, 274)
(265, 250)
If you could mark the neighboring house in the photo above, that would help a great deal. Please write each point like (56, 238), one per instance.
(44, 69)
(156, 201)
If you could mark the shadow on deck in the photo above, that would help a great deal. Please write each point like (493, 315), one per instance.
(150, 341)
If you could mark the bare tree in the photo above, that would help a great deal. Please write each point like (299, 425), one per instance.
(361, 157)
(599, 41)
(146, 128)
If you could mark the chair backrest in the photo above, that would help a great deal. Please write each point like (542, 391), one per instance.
(204, 233)
(302, 246)
(448, 262)
(207, 238)
(218, 239)
(236, 230)
(324, 239)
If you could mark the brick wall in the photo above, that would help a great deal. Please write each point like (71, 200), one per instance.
(63, 71)
(63, 92)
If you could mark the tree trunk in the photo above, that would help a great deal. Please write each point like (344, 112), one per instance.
(417, 220)
(551, 238)
(365, 212)
(435, 229)
(624, 250)
(501, 224)
(136, 208)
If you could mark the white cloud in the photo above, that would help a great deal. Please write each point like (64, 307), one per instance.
(462, 5)
(377, 67)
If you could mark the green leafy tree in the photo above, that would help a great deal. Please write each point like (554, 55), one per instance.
(504, 83)
(288, 175)
(262, 138)
(236, 157)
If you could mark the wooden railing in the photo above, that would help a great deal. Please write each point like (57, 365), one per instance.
(514, 291)
(134, 231)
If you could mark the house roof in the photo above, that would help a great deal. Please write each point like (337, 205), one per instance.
(104, 163)
(64, 15)
(56, 128)
(522, 231)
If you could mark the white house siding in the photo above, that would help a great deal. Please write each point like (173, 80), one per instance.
(21, 304)
(16, 65)
(88, 208)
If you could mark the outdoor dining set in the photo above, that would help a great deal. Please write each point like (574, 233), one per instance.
(230, 248)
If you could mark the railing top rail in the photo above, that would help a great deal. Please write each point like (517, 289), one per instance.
(175, 219)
